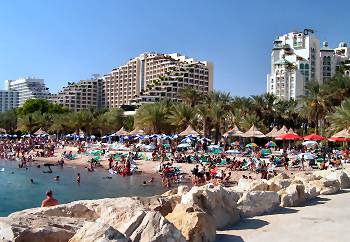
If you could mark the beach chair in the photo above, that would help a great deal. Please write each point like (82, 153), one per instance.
(271, 170)
(246, 166)
(221, 163)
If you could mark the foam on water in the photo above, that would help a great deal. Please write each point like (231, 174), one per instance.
(18, 193)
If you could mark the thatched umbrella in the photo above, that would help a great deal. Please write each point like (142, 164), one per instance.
(2, 130)
(137, 132)
(121, 132)
(291, 131)
(273, 133)
(40, 132)
(283, 130)
(233, 132)
(253, 132)
(188, 131)
(342, 134)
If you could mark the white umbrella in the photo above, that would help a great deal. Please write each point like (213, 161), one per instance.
(307, 156)
(184, 145)
(310, 143)
(233, 152)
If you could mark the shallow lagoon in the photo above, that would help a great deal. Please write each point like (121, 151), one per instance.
(18, 193)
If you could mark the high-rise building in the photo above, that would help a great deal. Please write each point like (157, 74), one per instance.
(8, 100)
(152, 77)
(297, 59)
(82, 95)
(28, 88)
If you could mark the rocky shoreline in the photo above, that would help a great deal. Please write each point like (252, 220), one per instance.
(181, 214)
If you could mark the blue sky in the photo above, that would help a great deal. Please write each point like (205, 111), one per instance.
(68, 40)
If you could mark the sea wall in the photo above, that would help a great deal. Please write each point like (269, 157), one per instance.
(181, 214)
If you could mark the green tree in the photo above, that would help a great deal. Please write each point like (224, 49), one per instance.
(339, 119)
(181, 115)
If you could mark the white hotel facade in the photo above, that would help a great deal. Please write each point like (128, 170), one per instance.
(297, 59)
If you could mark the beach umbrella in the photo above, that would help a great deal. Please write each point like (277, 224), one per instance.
(253, 132)
(315, 137)
(288, 136)
(175, 136)
(2, 130)
(266, 152)
(121, 132)
(212, 147)
(40, 132)
(189, 130)
(204, 140)
(251, 145)
(233, 132)
(14, 136)
(184, 145)
(307, 156)
(338, 139)
(235, 152)
(137, 132)
(273, 133)
(310, 143)
(186, 140)
(270, 144)
(283, 130)
(342, 134)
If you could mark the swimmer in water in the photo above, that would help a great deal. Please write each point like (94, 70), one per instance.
(78, 178)
(49, 200)
(31, 180)
(151, 180)
(57, 178)
(144, 183)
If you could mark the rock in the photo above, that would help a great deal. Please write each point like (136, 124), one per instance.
(330, 187)
(38, 228)
(170, 192)
(275, 185)
(311, 191)
(342, 177)
(248, 185)
(182, 189)
(244, 184)
(281, 176)
(217, 202)
(257, 203)
(233, 193)
(165, 205)
(155, 228)
(98, 232)
(294, 195)
(194, 224)
(306, 177)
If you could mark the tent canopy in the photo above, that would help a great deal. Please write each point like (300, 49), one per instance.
(137, 131)
(342, 134)
(233, 132)
(283, 130)
(273, 133)
(189, 131)
(40, 132)
(121, 132)
(253, 132)
(288, 136)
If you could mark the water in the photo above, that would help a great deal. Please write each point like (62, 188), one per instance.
(18, 193)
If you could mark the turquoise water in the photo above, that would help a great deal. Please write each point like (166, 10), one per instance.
(18, 193)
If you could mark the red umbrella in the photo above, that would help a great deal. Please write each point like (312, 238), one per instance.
(288, 136)
(338, 139)
(315, 137)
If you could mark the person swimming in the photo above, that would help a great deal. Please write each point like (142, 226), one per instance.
(49, 200)
(57, 178)
(31, 180)
(78, 178)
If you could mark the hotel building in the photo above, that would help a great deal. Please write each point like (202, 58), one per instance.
(27, 88)
(8, 100)
(82, 95)
(297, 59)
(152, 77)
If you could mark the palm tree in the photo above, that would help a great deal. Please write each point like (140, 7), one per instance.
(153, 117)
(29, 122)
(61, 124)
(182, 115)
(340, 118)
(250, 119)
(203, 117)
(190, 96)
(314, 106)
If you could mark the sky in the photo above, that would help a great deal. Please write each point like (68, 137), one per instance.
(69, 40)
